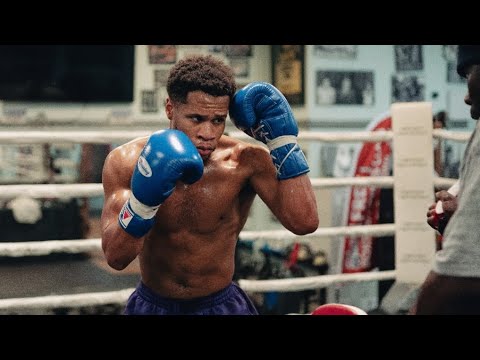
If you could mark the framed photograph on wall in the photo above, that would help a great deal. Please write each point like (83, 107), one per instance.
(186, 51)
(215, 48)
(160, 77)
(149, 101)
(288, 71)
(408, 57)
(344, 88)
(238, 50)
(335, 51)
(240, 66)
(406, 88)
(162, 54)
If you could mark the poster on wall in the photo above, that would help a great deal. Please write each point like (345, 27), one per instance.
(344, 88)
(160, 77)
(215, 48)
(149, 101)
(162, 54)
(406, 88)
(238, 50)
(240, 66)
(335, 51)
(187, 51)
(408, 57)
(288, 62)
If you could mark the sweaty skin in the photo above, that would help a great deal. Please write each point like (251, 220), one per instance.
(190, 250)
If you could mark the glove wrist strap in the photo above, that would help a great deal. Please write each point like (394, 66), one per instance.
(281, 141)
(132, 223)
(289, 161)
(142, 210)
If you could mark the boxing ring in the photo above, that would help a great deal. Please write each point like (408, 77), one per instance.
(78, 246)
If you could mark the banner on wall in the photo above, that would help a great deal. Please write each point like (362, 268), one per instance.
(358, 205)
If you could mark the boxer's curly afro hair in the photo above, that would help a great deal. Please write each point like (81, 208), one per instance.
(204, 73)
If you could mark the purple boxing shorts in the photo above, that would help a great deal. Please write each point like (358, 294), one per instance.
(229, 301)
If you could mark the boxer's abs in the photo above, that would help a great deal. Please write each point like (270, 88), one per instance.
(186, 265)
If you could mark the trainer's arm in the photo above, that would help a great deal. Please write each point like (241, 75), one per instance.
(448, 295)
(291, 200)
(120, 248)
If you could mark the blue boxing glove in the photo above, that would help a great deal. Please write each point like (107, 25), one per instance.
(168, 156)
(261, 111)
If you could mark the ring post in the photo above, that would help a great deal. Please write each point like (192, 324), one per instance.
(413, 193)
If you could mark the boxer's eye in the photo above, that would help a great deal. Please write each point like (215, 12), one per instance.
(218, 121)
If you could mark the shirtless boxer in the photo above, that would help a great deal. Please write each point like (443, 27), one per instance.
(179, 198)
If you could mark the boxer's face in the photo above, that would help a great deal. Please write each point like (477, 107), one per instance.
(473, 96)
(202, 118)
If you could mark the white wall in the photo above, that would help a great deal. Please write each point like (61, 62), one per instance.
(380, 59)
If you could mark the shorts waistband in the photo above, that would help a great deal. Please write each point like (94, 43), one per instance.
(182, 305)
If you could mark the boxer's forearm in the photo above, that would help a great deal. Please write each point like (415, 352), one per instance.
(120, 248)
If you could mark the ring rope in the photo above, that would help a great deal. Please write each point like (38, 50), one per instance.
(461, 136)
(312, 282)
(72, 300)
(53, 136)
(385, 182)
(91, 190)
(71, 137)
(121, 296)
(46, 247)
(121, 136)
(51, 190)
(116, 136)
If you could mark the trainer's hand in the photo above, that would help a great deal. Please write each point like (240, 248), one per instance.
(168, 156)
(260, 110)
(439, 214)
(432, 218)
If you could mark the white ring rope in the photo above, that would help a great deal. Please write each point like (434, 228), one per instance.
(60, 191)
(443, 183)
(121, 296)
(380, 181)
(121, 136)
(70, 137)
(312, 282)
(377, 230)
(63, 191)
(46, 247)
(462, 136)
(73, 300)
